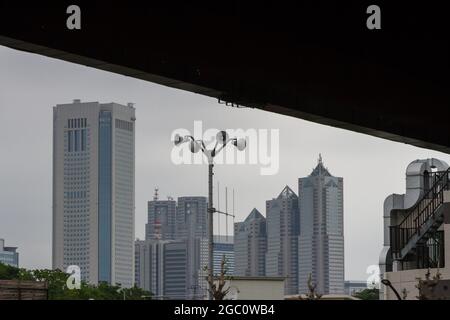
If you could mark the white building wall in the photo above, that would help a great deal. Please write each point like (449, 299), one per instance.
(75, 218)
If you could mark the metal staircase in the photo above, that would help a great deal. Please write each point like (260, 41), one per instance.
(417, 234)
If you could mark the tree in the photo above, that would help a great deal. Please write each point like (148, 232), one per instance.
(428, 283)
(136, 293)
(368, 294)
(217, 285)
(312, 294)
(8, 272)
(58, 290)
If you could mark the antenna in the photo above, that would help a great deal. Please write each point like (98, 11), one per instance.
(233, 212)
(155, 196)
(226, 211)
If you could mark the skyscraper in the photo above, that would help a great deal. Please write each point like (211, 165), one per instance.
(321, 240)
(161, 219)
(191, 217)
(250, 245)
(191, 227)
(161, 268)
(93, 190)
(282, 238)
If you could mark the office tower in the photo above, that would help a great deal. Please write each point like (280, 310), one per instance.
(175, 260)
(250, 245)
(161, 268)
(223, 246)
(161, 219)
(282, 238)
(191, 227)
(93, 190)
(191, 217)
(8, 255)
(321, 240)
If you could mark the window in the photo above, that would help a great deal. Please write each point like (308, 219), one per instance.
(83, 140)
(77, 139)
(124, 125)
(70, 141)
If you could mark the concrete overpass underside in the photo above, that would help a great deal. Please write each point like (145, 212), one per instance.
(316, 60)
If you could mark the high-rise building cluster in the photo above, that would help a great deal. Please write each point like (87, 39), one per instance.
(174, 233)
(301, 237)
(170, 262)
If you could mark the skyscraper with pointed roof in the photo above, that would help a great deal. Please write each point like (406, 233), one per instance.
(321, 240)
(250, 244)
(283, 228)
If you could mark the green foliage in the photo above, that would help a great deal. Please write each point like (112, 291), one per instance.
(8, 272)
(57, 285)
(368, 294)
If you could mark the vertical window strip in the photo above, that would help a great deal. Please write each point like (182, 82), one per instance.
(69, 144)
(83, 140)
(77, 133)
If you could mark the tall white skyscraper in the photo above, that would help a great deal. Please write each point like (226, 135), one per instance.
(93, 190)
(321, 240)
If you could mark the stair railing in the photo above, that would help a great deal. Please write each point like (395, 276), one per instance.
(420, 213)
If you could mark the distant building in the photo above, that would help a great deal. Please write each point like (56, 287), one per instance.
(282, 238)
(178, 229)
(191, 227)
(191, 218)
(8, 255)
(160, 267)
(93, 190)
(223, 246)
(161, 222)
(351, 287)
(321, 241)
(250, 245)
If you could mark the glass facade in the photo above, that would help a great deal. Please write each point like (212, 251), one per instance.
(221, 250)
(123, 199)
(9, 258)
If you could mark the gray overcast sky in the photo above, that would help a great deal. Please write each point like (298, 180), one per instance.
(30, 85)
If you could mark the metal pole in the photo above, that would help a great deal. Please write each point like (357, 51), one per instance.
(226, 210)
(210, 223)
(218, 208)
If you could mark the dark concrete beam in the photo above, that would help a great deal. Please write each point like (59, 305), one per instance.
(316, 60)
